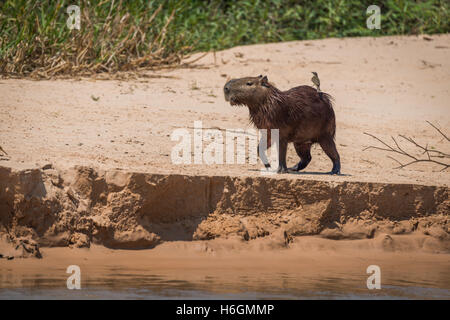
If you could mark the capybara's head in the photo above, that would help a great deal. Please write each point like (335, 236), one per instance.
(249, 91)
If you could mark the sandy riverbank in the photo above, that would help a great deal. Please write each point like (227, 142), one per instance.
(88, 174)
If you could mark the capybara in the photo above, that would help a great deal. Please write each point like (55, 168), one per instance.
(302, 115)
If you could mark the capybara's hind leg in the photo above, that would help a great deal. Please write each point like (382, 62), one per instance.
(304, 152)
(329, 147)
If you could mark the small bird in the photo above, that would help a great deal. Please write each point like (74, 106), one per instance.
(316, 81)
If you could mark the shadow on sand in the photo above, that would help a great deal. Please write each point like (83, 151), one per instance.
(269, 172)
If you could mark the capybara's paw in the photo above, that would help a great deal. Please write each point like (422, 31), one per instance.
(299, 166)
(336, 168)
(282, 170)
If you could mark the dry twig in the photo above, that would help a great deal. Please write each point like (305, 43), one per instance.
(431, 154)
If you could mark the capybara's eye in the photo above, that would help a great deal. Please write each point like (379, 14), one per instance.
(249, 83)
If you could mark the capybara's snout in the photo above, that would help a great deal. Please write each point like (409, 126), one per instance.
(227, 90)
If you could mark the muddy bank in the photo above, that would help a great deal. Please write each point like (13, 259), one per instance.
(129, 210)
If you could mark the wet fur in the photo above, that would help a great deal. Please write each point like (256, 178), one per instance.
(302, 115)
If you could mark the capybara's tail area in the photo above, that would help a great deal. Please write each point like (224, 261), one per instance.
(331, 123)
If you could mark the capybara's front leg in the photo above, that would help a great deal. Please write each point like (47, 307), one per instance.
(282, 150)
(263, 145)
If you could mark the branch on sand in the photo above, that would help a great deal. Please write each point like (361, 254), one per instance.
(431, 155)
(3, 154)
(3, 151)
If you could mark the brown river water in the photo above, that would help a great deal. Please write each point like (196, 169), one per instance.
(186, 271)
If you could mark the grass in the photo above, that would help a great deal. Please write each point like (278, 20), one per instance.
(124, 35)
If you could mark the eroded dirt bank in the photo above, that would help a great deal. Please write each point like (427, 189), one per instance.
(118, 209)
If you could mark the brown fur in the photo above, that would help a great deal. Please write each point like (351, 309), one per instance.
(302, 115)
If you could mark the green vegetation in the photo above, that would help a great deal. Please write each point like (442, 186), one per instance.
(119, 35)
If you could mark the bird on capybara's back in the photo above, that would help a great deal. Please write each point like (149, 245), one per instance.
(303, 115)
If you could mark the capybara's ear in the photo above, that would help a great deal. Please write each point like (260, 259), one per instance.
(265, 81)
